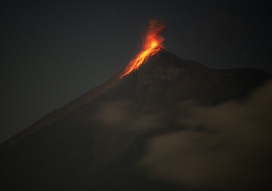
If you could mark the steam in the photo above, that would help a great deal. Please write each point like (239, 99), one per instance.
(225, 147)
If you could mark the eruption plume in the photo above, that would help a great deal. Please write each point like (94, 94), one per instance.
(151, 45)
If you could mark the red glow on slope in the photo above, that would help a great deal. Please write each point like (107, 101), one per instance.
(151, 46)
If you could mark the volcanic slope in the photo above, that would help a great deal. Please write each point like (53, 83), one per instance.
(96, 141)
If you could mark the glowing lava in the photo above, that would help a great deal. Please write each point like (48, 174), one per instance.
(151, 46)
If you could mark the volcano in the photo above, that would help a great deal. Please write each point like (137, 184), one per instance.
(96, 141)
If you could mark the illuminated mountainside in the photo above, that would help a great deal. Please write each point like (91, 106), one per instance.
(95, 141)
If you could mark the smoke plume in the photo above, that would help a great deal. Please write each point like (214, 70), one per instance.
(153, 33)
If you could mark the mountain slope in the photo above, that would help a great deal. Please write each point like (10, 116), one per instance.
(95, 141)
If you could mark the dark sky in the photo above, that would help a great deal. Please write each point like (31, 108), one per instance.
(54, 51)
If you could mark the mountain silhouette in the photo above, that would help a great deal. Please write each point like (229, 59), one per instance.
(96, 141)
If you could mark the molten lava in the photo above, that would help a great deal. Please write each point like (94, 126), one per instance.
(151, 46)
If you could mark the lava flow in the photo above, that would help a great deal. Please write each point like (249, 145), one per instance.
(151, 46)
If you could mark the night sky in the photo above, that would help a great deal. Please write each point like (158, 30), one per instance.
(54, 51)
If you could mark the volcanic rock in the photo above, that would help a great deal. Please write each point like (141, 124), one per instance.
(96, 141)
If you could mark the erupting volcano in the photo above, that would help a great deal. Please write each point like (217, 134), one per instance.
(103, 139)
(151, 46)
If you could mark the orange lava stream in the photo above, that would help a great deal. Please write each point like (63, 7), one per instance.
(151, 46)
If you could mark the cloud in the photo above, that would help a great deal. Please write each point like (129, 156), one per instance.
(114, 113)
(122, 116)
(223, 147)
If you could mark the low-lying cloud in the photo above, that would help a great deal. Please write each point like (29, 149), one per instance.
(223, 147)
(122, 116)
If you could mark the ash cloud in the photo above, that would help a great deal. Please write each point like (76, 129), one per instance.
(224, 147)
(153, 33)
(155, 27)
